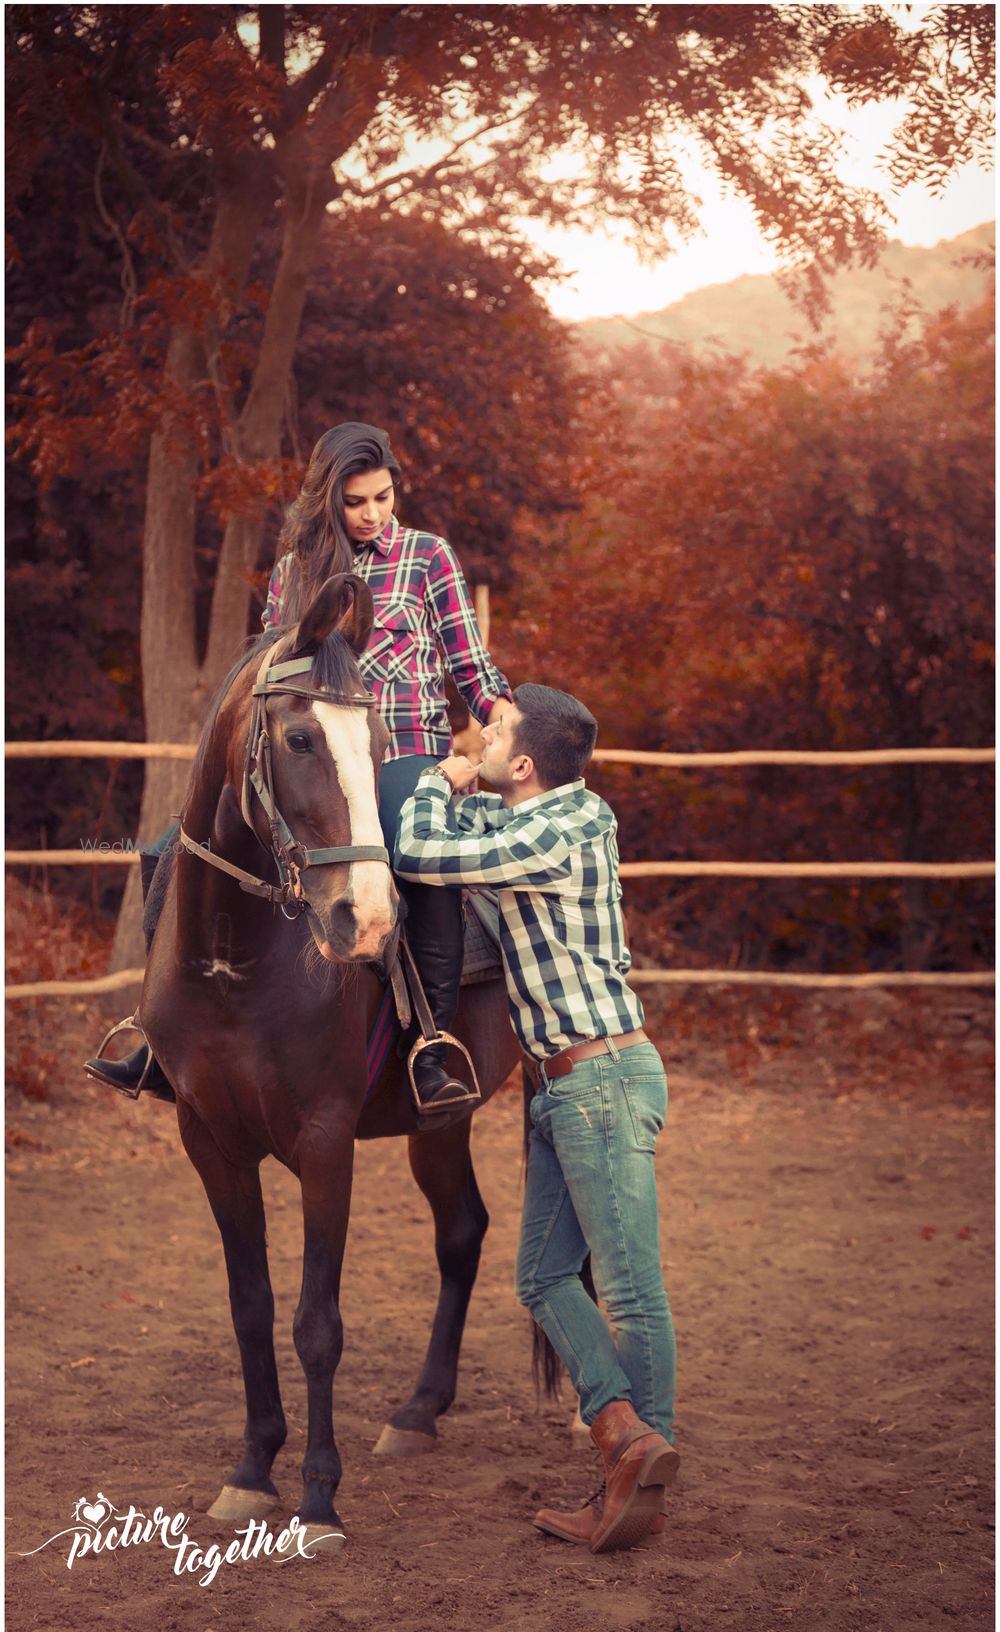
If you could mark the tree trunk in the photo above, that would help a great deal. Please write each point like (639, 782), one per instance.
(259, 431)
(173, 697)
(175, 689)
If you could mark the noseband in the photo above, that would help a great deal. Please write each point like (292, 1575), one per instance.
(291, 857)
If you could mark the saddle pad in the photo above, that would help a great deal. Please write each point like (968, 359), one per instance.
(482, 937)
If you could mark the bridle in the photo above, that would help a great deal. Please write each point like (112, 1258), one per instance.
(291, 857)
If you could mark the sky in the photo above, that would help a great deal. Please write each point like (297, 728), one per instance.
(607, 278)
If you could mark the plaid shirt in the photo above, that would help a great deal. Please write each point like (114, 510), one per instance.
(421, 598)
(553, 861)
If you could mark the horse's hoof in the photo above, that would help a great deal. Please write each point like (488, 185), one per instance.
(233, 1503)
(320, 1538)
(403, 1442)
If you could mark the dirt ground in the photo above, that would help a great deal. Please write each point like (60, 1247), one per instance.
(826, 1187)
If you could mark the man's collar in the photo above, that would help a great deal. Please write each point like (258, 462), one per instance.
(550, 796)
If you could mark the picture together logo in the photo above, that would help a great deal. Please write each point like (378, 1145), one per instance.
(100, 1527)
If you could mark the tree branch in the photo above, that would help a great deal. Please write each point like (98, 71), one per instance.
(422, 177)
(271, 23)
(303, 92)
(128, 283)
(114, 130)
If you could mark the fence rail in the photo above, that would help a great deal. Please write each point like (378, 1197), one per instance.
(65, 749)
(627, 869)
(790, 756)
(637, 977)
(807, 869)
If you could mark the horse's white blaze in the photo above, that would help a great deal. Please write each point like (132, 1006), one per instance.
(369, 882)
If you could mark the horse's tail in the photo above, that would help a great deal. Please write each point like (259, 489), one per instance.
(546, 1366)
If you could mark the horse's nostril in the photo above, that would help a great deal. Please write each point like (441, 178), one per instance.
(343, 919)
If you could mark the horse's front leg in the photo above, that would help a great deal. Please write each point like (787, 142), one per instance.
(325, 1166)
(442, 1166)
(234, 1195)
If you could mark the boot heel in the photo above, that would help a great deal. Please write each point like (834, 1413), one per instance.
(632, 1524)
(659, 1468)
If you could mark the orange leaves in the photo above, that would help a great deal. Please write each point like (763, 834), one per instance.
(227, 96)
(102, 396)
(243, 487)
(790, 558)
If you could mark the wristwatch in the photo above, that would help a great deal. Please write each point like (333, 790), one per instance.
(437, 770)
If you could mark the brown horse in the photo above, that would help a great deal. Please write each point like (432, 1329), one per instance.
(259, 999)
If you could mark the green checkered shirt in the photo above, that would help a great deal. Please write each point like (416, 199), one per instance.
(553, 861)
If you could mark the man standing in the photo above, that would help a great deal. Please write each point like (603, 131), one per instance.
(547, 845)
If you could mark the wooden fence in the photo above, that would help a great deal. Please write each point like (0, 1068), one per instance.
(95, 855)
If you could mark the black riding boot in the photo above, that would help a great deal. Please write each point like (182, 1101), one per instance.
(434, 931)
(126, 1075)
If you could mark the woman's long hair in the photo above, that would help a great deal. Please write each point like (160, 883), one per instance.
(314, 533)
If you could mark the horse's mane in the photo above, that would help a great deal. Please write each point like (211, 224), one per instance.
(334, 668)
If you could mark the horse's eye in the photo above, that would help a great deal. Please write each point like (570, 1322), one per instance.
(300, 742)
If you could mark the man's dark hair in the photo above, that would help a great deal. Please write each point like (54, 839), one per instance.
(556, 731)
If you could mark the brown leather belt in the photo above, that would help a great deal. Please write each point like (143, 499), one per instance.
(560, 1065)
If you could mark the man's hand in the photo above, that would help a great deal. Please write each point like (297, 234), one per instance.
(460, 772)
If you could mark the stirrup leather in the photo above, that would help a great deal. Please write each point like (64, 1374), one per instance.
(131, 1024)
(429, 1036)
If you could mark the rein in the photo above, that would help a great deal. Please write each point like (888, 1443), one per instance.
(292, 858)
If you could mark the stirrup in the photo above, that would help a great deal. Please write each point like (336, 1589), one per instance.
(462, 1096)
(131, 1024)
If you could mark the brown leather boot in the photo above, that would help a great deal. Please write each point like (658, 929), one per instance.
(639, 1463)
(581, 1526)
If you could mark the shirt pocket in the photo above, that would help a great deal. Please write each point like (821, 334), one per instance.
(391, 650)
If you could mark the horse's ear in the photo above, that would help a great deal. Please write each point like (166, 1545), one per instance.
(343, 603)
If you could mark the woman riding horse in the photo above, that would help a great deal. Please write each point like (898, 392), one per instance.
(343, 521)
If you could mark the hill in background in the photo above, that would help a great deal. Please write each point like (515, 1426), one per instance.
(755, 316)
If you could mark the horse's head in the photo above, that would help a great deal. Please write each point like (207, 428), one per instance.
(323, 744)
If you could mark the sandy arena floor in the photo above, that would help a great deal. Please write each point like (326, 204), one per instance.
(826, 1189)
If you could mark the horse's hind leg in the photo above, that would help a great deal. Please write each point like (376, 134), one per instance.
(442, 1166)
(235, 1197)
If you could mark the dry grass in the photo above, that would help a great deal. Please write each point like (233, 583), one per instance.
(50, 938)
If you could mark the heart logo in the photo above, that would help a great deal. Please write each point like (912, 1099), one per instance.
(95, 1512)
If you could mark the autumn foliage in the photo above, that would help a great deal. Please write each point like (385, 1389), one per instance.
(230, 227)
(797, 558)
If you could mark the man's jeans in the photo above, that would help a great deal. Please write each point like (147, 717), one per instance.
(591, 1186)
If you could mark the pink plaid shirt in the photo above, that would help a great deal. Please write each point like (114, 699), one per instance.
(421, 600)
